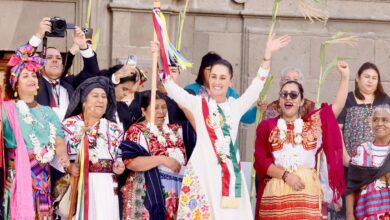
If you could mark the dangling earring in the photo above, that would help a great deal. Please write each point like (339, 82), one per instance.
(15, 94)
(36, 91)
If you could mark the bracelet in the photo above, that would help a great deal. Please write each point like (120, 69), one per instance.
(84, 48)
(285, 175)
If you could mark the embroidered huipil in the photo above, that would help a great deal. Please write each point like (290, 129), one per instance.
(103, 152)
(169, 145)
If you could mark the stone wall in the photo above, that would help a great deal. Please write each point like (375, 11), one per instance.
(236, 29)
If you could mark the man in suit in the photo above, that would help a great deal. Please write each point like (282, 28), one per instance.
(55, 86)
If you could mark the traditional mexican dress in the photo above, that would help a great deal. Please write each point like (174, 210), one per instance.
(299, 154)
(165, 142)
(373, 200)
(103, 139)
(213, 184)
(41, 127)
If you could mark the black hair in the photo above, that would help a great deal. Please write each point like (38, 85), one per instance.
(207, 60)
(379, 92)
(146, 97)
(63, 56)
(225, 63)
(109, 72)
(300, 87)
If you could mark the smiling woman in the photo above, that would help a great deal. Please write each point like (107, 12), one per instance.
(365, 184)
(213, 184)
(93, 139)
(288, 155)
(33, 138)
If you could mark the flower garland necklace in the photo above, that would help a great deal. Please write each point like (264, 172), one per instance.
(43, 154)
(298, 128)
(161, 138)
(222, 143)
(175, 152)
(101, 140)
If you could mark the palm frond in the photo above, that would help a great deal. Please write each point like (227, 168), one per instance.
(313, 10)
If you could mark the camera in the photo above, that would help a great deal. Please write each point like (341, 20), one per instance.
(58, 27)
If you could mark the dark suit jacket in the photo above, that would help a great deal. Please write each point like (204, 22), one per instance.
(70, 83)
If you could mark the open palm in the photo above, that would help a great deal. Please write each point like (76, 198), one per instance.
(274, 44)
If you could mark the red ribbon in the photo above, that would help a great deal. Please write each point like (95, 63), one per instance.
(86, 176)
(213, 138)
(158, 31)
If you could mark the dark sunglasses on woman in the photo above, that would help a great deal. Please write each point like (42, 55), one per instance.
(292, 94)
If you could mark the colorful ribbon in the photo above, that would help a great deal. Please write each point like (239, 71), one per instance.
(83, 187)
(24, 58)
(169, 54)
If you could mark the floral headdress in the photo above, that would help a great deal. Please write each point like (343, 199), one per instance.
(24, 58)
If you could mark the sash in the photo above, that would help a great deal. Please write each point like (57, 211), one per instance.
(230, 166)
(83, 187)
(21, 201)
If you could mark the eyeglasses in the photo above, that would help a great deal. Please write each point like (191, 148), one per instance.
(292, 94)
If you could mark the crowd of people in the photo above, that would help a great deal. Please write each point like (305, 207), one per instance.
(90, 146)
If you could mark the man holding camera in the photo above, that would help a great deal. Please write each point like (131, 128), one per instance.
(55, 87)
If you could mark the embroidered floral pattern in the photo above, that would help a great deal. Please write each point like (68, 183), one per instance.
(306, 133)
(133, 198)
(103, 135)
(193, 201)
(165, 142)
(356, 128)
(170, 147)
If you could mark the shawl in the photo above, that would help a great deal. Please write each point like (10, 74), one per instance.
(154, 201)
(22, 205)
(359, 176)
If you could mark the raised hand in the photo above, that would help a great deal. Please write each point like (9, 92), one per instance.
(154, 46)
(343, 68)
(275, 44)
(79, 38)
(43, 27)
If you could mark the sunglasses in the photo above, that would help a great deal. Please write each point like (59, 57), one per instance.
(292, 94)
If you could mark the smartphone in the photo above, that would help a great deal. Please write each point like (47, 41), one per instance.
(132, 60)
(88, 32)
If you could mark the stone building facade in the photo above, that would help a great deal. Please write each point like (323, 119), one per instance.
(236, 29)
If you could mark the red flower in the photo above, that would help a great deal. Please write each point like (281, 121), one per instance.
(185, 189)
